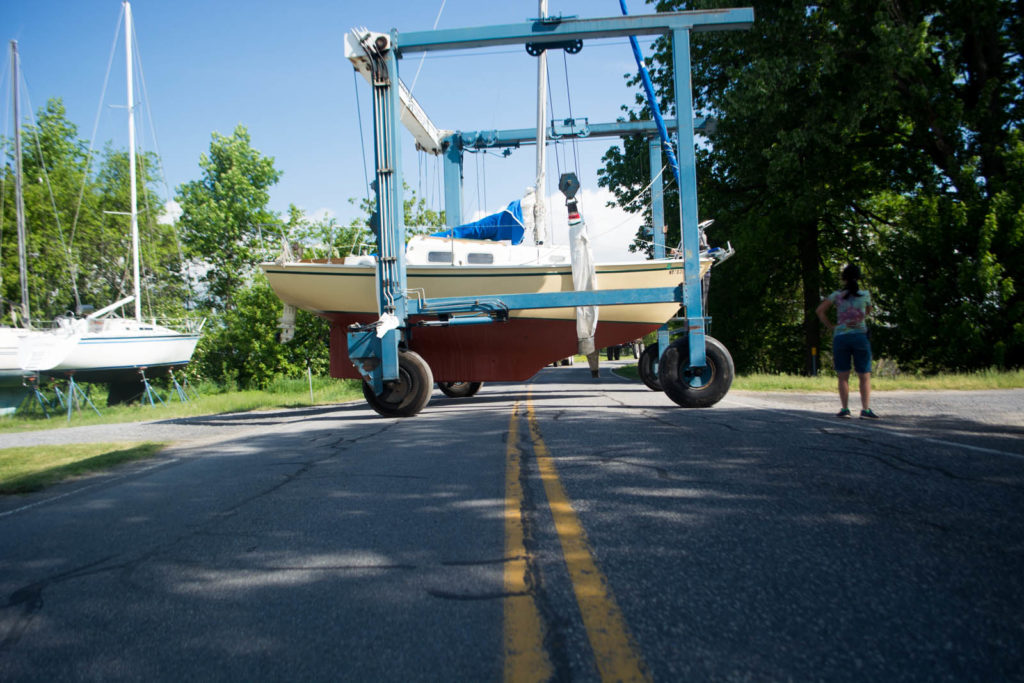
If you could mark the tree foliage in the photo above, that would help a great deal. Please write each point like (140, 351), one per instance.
(885, 132)
(78, 238)
(240, 346)
(224, 215)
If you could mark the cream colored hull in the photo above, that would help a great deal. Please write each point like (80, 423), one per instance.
(332, 288)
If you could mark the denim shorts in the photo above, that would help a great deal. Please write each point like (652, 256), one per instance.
(855, 345)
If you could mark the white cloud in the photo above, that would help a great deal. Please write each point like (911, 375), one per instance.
(611, 229)
(321, 214)
(170, 214)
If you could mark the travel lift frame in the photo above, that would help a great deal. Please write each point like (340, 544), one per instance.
(400, 381)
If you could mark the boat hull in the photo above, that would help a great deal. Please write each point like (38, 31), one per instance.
(108, 358)
(108, 350)
(502, 351)
(497, 352)
(13, 388)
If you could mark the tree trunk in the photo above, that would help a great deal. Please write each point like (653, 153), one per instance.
(810, 280)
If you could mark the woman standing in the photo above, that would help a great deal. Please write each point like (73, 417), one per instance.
(850, 339)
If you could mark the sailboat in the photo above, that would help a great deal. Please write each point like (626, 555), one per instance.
(21, 335)
(447, 265)
(514, 350)
(102, 346)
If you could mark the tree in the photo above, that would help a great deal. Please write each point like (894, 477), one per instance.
(826, 110)
(950, 256)
(241, 347)
(224, 214)
(80, 253)
(54, 173)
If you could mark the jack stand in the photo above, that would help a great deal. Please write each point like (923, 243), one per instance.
(60, 396)
(33, 382)
(149, 392)
(76, 393)
(179, 388)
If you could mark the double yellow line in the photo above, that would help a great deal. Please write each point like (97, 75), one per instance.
(526, 658)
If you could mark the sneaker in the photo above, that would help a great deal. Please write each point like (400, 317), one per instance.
(845, 412)
(868, 414)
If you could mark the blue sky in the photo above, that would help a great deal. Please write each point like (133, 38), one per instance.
(279, 69)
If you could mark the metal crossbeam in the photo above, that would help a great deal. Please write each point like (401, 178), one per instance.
(600, 297)
(516, 136)
(556, 30)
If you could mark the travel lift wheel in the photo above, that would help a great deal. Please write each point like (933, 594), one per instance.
(459, 389)
(407, 395)
(696, 391)
(647, 367)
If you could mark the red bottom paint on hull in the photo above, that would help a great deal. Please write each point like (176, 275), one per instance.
(497, 352)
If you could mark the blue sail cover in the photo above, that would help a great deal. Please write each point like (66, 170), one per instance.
(504, 225)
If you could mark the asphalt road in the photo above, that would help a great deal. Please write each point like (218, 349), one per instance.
(563, 528)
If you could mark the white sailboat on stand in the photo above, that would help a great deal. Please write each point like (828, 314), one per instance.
(12, 389)
(21, 337)
(103, 347)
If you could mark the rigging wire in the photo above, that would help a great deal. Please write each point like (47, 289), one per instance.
(362, 143)
(150, 212)
(551, 114)
(476, 161)
(96, 122)
(638, 196)
(3, 176)
(568, 96)
(438, 186)
(423, 55)
(49, 189)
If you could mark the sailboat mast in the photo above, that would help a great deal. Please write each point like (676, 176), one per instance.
(131, 158)
(539, 220)
(19, 200)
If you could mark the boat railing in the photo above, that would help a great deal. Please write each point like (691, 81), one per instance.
(70, 323)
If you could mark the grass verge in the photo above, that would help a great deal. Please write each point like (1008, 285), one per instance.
(211, 400)
(32, 468)
(973, 381)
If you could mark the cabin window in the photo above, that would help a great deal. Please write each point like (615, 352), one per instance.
(439, 257)
(480, 259)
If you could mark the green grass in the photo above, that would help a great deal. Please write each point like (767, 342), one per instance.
(285, 393)
(973, 381)
(32, 468)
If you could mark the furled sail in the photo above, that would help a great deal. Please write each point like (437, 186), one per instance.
(584, 279)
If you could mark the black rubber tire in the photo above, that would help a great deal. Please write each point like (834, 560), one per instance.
(647, 367)
(407, 395)
(696, 392)
(459, 389)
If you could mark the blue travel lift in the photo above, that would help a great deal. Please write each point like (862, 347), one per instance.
(694, 371)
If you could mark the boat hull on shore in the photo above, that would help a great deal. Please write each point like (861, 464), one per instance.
(502, 351)
(108, 350)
